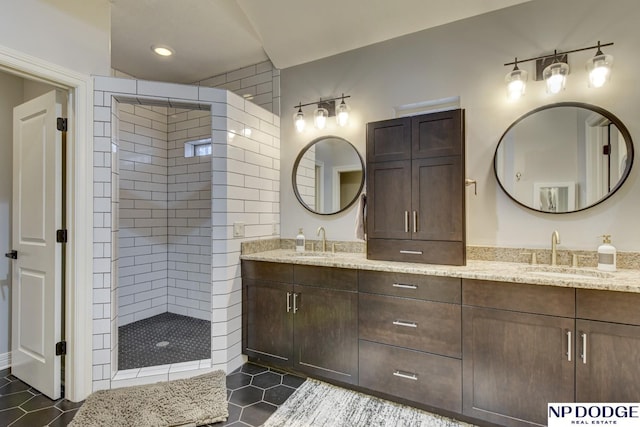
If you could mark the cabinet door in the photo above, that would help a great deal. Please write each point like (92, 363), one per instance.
(389, 200)
(437, 199)
(389, 140)
(437, 134)
(267, 323)
(326, 333)
(514, 364)
(607, 360)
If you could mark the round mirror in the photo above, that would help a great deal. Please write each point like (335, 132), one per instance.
(564, 157)
(328, 175)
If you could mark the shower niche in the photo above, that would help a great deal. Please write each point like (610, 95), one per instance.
(161, 186)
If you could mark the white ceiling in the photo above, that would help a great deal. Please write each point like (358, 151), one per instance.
(214, 36)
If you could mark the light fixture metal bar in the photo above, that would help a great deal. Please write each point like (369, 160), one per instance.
(320, 101)
(520, 61)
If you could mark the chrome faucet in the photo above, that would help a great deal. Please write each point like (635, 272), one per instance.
(324, 239)
(555, 239)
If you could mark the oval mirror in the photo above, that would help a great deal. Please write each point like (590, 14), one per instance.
(328, 175)
(564, 157)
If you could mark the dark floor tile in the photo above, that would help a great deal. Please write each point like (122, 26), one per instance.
(66, 405)
(63, 419)
(246, 396)
(234, 416)
(278, 395)
(14, 400)
(5, 372)
(11, 377)
(10, 415)
(38, 402)
(292, 381)
(38, 418)
(249, 368)
(14, 387)
(266, 380)
(236, 381)
(3, 382)
(238, 424)
(258, 413)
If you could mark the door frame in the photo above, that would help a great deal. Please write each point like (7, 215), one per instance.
(79, 206)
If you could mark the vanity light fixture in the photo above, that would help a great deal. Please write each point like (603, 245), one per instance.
(516, 81)
(599, 68)
(554, 69)
(555, 75)
(298, 119)
(325, 108)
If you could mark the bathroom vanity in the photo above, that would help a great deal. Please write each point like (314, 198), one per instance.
(490, 341)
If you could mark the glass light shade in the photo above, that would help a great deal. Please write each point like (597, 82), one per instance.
(555, 76)
(516, 83)
(342, 114)
(320, 117)
(599, 68)
(298, 120)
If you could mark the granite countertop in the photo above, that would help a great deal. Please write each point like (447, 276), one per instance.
(587, 278)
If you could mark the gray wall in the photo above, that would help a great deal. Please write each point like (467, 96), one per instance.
(466, 59)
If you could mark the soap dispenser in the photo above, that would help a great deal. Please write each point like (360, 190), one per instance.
(300, 241)
(606, 254)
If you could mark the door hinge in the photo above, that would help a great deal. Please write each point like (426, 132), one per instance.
(61, 124)
(61, 236)
(61, 348)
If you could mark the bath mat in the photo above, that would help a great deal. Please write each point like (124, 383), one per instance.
(320, 404)
(192, 402)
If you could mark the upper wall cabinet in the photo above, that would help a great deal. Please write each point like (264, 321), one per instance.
(415, 185)
(563, 157)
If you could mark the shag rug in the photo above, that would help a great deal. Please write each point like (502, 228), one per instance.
(316, 403)
(186, 402)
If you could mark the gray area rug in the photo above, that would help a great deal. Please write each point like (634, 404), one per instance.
(186, 402)
(319, 404)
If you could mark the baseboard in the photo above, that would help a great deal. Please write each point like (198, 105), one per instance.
(5, 360)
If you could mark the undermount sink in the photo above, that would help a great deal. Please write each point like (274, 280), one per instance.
(565, 272)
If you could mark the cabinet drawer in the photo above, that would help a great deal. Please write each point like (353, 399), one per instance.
(344, 279)
(608, 306)
(270, 271)
(433, 288)
(423, 251)
(421, 325)
(537, 299)
(420, 377)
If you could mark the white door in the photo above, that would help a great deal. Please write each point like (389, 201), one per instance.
(37, 270)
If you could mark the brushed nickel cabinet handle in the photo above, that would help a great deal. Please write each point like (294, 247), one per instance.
(403, 286)
(288, 302)
(583, 356)
(411, 252)
(405, 375)
(569, 346)
(406, 324)
(415, 221)
(406, 221)
(295, 303)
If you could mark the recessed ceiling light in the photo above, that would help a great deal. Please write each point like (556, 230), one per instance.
(162, 50)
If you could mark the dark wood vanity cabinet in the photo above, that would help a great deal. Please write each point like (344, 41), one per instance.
(302, 317)
(607, 346)
(410, 346)
(517, 351)
(415, 189)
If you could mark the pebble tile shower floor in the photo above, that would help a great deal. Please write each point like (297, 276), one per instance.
(163, 339)
(254, 393)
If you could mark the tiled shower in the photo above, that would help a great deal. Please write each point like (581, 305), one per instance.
(244, 188)
(164, 234)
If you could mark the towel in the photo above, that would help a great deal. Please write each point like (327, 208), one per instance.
(361, 218)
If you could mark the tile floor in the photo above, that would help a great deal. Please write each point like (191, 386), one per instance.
(254, 393)
(163, 339)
